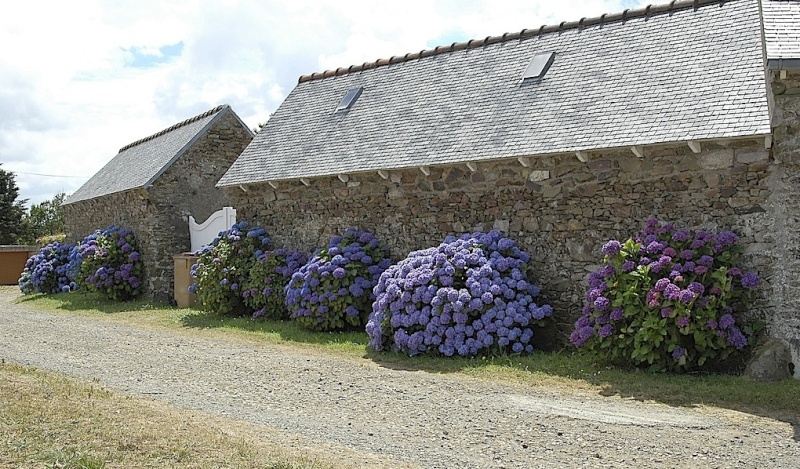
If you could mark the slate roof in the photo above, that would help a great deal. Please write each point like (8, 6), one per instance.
(140, 163)
(663, 74)
(782, 28)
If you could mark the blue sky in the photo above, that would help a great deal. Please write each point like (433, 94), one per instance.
(86, 78)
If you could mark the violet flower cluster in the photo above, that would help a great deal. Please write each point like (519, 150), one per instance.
(263, 291)
(333, 290)
(48, 271)
(109, 262)
(666, 299)
(223, 267)
(468, 296)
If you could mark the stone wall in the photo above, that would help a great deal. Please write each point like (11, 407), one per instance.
(158, 215)
(558, 209)
(783, 229)
(188, 187)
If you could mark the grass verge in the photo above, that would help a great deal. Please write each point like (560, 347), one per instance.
(564, 370)
(47, 420)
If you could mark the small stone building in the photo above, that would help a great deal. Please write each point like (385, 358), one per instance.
(152, 185)
(561, 136)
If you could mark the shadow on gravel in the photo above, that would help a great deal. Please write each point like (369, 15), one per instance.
(772, 400)
(76, 301)
(285, 330)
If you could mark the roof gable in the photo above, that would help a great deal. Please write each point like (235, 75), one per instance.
(684, 74)
(140, 163)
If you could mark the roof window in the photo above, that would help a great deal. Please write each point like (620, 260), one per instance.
(349, 99)
(539, 65)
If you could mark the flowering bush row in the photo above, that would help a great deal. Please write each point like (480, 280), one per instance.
(468, 296)
(224, 266)
(48, 271)
(108, 261)
(666, 300)
(334, 289)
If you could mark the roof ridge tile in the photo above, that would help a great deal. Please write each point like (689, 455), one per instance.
(603, 19)
(173, 127)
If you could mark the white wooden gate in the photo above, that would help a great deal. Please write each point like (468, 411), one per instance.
(202, 234)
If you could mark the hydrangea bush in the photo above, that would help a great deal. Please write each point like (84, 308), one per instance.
(109, 262)
(666, 300)
(263, 291)
(472, 295)
(333, 290)
(48, 271)
(224, 266)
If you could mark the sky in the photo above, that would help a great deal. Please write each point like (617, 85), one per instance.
(81, 79)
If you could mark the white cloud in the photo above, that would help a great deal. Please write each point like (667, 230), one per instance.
(71, 97)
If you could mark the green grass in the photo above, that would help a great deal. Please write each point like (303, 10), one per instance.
(48, 420)
(565, 370)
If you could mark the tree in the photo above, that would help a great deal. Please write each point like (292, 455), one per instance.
(45, 219)
(11, 209)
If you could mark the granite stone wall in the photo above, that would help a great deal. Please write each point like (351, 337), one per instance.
(558, 208)
(782, 230)
(158, 215)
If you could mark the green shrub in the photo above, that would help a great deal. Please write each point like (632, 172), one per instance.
(333, 291)
(108, 262)
(666, 300)
(223, 267)
(263, 291)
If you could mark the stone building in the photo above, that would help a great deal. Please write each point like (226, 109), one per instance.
(152, 185)
(561, 136)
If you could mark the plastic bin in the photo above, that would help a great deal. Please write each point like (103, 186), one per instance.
(183, 265)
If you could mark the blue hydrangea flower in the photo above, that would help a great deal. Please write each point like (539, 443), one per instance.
(468, 296)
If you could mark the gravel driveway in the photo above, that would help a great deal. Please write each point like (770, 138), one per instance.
(367, 414)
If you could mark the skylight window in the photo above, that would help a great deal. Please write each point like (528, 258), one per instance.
(539, 65)
(349, 99)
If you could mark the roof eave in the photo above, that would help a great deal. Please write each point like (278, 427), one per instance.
(579, 152)
(782, 63)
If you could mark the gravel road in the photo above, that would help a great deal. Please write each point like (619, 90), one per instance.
(370, 416)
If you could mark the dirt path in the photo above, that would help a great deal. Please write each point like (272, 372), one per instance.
(365, 413)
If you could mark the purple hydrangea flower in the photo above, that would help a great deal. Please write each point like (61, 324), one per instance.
(606, 331)
(612, 247)
(601, 303)
(706, 261)
(726, 321)
(727, 238)
(750, 280)
(696, 287)
(736, 338)
(672, 292)
(681, 236)
(686, 296)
